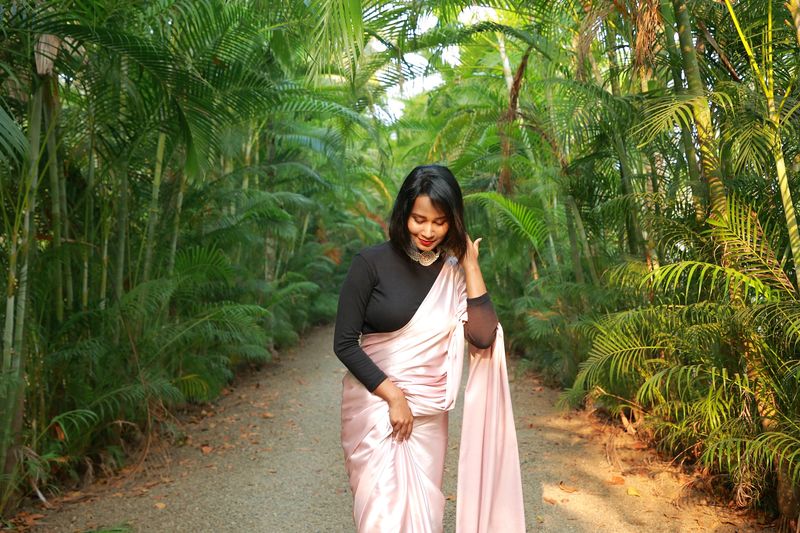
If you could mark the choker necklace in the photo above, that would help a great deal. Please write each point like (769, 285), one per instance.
(425, 258)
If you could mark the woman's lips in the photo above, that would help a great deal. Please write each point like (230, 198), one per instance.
(423, 242)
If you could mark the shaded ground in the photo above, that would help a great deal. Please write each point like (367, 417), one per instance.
(266, 457)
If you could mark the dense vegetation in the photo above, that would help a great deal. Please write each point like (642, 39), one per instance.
(180, 181)
(168, 186)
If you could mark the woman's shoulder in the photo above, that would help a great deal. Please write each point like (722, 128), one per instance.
(451, 261)
(453, 264)
(377, 253)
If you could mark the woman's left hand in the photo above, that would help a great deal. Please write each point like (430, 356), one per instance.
(472, 270)
(471, 257)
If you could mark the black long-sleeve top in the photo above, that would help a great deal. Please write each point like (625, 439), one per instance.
(381, 293)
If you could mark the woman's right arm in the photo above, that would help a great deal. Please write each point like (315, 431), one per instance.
(353, 300)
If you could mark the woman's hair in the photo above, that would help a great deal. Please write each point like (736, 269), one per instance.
(437, 183)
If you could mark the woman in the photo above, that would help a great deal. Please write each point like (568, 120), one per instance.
(411, 301)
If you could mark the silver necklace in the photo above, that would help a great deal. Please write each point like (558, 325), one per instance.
(425, 258)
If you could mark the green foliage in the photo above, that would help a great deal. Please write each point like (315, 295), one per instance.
(603, 264)
(190, 230)
(706, 370)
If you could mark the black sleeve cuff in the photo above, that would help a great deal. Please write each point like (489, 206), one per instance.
(479, 300)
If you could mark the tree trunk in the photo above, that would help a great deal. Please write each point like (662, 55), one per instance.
(794, 8)
(176, 224)
(695, 181)
(105, 259)
(152, 215)
(632, 227)
(55, 202)
(87, 223)
(709, 151)
(783, 185)
(12, 382)
(504, 183)
(575, 252)
(584, 242)
(69, 292)
(122, 232)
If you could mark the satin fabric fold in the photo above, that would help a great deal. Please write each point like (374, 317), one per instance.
(397, 486)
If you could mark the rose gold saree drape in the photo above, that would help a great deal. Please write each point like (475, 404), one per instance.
(397, 486)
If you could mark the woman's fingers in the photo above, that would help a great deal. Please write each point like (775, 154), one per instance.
(402, 430)
(401, 419)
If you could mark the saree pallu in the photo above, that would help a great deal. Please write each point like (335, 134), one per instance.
(397, 486)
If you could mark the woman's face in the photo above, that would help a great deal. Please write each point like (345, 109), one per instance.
(427, 224)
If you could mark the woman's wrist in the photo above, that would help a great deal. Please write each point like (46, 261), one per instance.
(471, 267)
(389, 392)
(474, 279)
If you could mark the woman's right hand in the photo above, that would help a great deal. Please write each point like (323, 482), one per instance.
(399, 413)
(401, 418)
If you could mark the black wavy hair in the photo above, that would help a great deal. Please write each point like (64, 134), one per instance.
(437, 183)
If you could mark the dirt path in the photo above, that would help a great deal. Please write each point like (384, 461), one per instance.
(267, 458)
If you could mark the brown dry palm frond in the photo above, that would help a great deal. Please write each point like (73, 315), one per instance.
(648, 26)
(596, 13)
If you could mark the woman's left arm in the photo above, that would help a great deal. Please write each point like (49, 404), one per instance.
(481, 327)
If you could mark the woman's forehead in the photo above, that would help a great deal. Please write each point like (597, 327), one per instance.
(425, 207)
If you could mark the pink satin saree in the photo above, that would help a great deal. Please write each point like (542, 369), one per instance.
(397, 486)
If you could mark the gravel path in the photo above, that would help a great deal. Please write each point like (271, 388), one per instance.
(266, 458)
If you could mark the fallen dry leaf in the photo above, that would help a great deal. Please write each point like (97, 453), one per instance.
(27, 519)
(451, 497)
(633, 492)
(206, 449)
(551, 501)
(160, 505)
(540, 519)
(267, 415)
(616, 480)
(566, 488)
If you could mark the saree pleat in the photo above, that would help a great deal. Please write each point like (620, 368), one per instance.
(396, 486)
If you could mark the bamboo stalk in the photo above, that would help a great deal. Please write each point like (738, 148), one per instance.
(573, 246)
(11, 380)
(584, 242)
(695, 180)
(176, 224)
(152, 215)
(104, 261)
(122, 226)
(69, 293)
(632, 226)
(709, 151)
(55, 205)
(87, 215)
